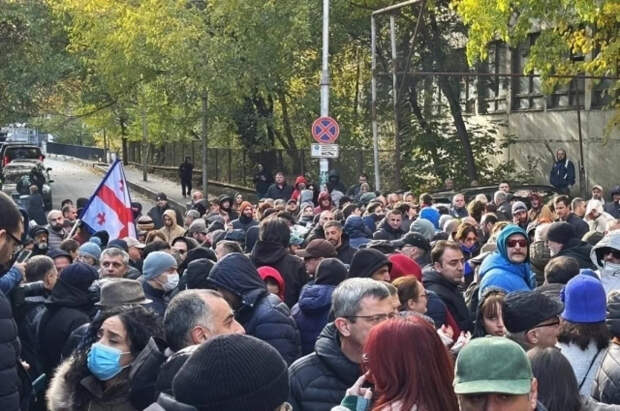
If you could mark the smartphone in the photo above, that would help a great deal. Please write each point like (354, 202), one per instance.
(23, 256)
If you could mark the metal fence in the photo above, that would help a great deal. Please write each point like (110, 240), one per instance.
(84, 152)
(238, 166)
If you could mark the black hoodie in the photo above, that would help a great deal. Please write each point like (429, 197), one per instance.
(291, 268)
(263, 315)
(67, 308)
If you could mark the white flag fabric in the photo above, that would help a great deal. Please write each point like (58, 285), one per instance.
(109, 207)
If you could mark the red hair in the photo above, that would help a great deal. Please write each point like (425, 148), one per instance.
(419, 372)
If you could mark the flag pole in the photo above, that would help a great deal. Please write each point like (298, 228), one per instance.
(74, 228)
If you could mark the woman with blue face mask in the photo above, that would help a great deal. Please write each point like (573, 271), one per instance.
(97, 377)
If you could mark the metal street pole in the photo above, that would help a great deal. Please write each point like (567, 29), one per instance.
(373, 88)
(205, 143)
(145, 149)
(324, 163)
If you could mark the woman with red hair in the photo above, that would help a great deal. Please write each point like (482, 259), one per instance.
(416, 376)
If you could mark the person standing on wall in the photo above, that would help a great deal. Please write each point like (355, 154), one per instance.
(562, 173)
(185, 173)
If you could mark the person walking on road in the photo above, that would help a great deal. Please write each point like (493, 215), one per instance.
(185, 173)
(562, 173)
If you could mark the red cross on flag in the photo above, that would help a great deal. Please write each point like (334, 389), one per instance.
(109, 207)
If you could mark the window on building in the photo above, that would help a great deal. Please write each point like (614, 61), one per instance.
(602, 93)
(493, 88)
(570, 94)
(526, 90)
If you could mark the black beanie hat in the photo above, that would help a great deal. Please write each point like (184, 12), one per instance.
(366, 261)
(104, 237)
(79, 275)
(196, 273)
(561, 232)
(331, 271)
(233, 372)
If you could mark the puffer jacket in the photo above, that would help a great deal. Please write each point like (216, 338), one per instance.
(9, 353)
(291, 268)
(497, 271)
(263, 315)
(311, 313)
(319, 380)
(607, 381)
(386, 232)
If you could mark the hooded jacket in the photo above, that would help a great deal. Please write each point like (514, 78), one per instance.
(608, 272)
(65, 310)
(266, 272)
(311, 313)
(497, 271)
(359, 234)
(174, 230)
(157, 215)
(290, 267)
(562, 174)
(579, 250)
(319, 380)
(263, 315)
(324, 195)
(450, 295)
(334, 183)
(297, 191)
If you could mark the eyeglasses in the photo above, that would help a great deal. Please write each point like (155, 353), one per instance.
(18, 243)
(522, 242)
(375, 318)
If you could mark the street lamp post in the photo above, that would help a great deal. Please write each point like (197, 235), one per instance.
(324, 163)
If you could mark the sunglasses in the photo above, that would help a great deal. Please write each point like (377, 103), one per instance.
(522, 242)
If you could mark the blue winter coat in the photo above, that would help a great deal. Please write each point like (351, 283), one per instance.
(263, 315)
(562, 174)
(358, 232)
(311, 313)
(498, 271)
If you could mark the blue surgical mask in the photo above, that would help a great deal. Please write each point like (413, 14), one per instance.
(104, 362)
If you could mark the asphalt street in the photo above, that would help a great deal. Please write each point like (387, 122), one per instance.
(72, 181)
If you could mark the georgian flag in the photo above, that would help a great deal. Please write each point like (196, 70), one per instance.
(109, 207)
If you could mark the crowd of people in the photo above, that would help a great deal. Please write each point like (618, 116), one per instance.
(343, 299)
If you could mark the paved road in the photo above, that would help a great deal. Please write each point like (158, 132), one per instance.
(72, 180)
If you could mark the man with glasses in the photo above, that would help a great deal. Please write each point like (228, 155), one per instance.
(319, 380)
(11, 230)
(532, 319)
(508, 267)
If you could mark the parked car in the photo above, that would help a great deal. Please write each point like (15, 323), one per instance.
(14, 151)
(18, 175)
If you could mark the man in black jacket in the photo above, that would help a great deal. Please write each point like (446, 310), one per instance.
(563, 241)
(185, 174)
(443, 278)
(319, 380)
(390, 229)
(11, 230)
(279, 189)
(262, 314)
(272, 249)
(561, 205)
(334, 234)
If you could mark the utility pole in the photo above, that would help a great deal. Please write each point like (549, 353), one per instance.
(373, 89)
(145, 149)
(205, 143)
(324, 163)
